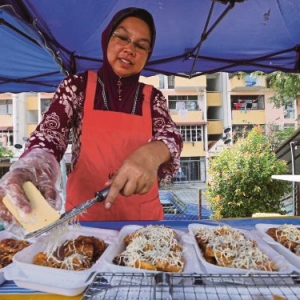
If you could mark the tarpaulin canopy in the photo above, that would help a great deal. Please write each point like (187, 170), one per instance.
(41, 41)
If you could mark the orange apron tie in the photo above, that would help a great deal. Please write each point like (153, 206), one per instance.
(107, 138)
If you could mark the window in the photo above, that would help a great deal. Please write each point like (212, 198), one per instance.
(250, 80)
(70, 139)
(45, 103)
(252, 102)
(289, 111)
(286, 126)
(183, 102)
(161, 81)
(171, 82)
(191, 133)
(5, 107)
(190, 169)
(3, 170)
(276, 127)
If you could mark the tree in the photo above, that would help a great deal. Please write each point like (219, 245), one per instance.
(5, 153)
(276, 136)
(286, 88)
(241, 182)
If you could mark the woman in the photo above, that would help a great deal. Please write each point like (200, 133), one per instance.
(123, 135)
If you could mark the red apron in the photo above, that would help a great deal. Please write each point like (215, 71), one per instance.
(107, 138)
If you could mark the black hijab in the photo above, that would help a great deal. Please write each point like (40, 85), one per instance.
(106, 73)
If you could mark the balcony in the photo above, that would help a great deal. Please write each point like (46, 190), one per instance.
(214, 127)
(248, 83)
(214, 99)
(30, 128)
(248, 117)
(193, 149)
(152, 80)
(189, 116)
(32, 103)
(6, 120)
(193, 84)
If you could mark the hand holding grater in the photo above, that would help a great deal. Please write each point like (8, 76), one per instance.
(43, 217)
(99, 197)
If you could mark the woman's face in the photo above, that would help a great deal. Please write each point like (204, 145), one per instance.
(127, 58)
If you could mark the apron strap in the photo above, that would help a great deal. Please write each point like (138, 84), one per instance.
(90, 90)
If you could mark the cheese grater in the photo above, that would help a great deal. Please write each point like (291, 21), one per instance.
(99, 197)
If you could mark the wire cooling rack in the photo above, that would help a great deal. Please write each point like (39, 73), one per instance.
(165, 286)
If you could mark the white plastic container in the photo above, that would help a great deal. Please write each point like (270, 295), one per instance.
(60, 281)
(5, 235)
(21, 280)
(289, 255)
(281, 264)
(116, 248)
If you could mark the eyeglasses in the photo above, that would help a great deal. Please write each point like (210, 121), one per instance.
(141, 47)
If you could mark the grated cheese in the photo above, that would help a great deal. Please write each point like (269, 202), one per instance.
(290, 232)
(233, 249)
(155, 245)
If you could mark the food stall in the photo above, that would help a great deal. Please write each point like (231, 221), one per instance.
(128, 283)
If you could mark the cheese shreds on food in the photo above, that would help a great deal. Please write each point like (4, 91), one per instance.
(75, 254)
(287, 235)
(154, 248)
(290, 232)
(227, 247)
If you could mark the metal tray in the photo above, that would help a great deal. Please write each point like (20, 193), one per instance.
(148, 286)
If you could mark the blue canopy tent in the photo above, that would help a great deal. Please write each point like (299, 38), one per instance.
(41, 41)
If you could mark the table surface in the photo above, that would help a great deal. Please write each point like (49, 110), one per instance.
(10, 291)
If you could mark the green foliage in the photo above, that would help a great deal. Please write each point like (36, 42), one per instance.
(241, 182)
(277, 136)
(5, 153)
(286, 88)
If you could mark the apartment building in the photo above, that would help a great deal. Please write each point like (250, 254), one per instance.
(211, 111)
(19, 116)
(249, 102)
(187, 103)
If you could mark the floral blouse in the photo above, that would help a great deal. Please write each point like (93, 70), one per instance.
(65, 115)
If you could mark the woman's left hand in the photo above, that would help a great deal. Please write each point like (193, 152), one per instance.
(138, 171)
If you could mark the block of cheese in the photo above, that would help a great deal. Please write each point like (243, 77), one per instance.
(41, 215)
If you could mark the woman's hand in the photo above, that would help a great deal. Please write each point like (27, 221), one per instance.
(138, 172)
(41, 168)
